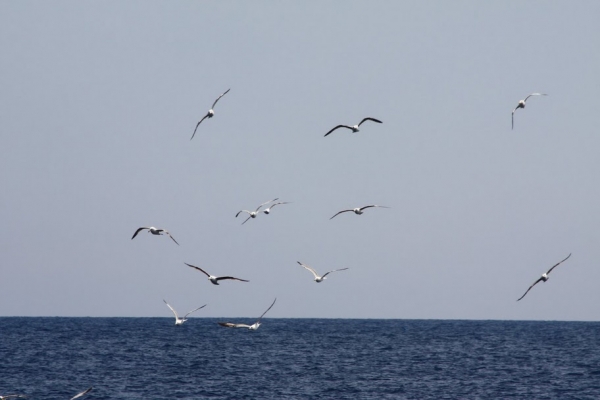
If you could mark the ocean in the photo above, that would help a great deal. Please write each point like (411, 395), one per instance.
(151, 358)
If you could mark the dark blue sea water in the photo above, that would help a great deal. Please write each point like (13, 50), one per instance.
(151, 358)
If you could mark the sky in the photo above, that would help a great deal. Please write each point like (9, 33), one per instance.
(98, 101)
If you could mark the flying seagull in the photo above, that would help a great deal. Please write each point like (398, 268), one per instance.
(252, 327)
(214, 279)
(180, 321)
(86, 391)
(317, 277)
(13, 396)
(253, 214)
(522, 105)
(358, 211)
(154, 231)
(355, 127)
(544, 277)
(268, 210)
(210, 112)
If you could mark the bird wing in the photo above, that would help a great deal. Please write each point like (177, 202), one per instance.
(309, 268)
(513, 118)
(339, 126)
(557, 264)
(172, 309)
(13, 396)
(241, 211)
(199, 269)
(197, 125)
(265, 203)
(184, 317)
(327, 273)
(167, 232)
(534, 283)
(138, 231)
(215, 103)
(339, 212)
(281, 202)
(220, 278)
(369, 119)
(232, 325)
(263, 314)
(535, 94)
(81, 394)
(246, 220)
(372, 205)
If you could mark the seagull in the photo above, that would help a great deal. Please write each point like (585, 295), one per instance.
(317, 277)
(210, 112)
(254, 213)
(214, 279)
(268, 210)
(522, 105)
(154, 231)
(544, 277)
(13, 396)
(180, 321)
(358, 211)
(252, 327)
(86, 391)
(355, 127)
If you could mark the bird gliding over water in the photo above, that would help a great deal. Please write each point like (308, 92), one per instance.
(252, 327)
(544, 276)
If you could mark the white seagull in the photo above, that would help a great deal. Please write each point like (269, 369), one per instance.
(253, 214)
(215, 279)
(268, 210)
(355, 127)
(180, 321)
(522, 105)
(358, 211)
(210, 112)
(13, 396)
(317, 277)
(252, 327)
(78, 395)
(544, 277)
(154, 231)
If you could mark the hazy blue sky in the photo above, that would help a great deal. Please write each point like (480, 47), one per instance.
(98, 101)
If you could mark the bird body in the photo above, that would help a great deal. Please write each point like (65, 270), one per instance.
(253, 214)
(154, 231)
(354, 128)
(178, 320)
(210, 113)
(521, 104)
(252, 327)
(544, 276)
(86, 391)
(318, 278)
(215, 279)
(358, 210)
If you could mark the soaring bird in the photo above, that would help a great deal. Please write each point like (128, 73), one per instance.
(355, 127)
(252, 327)
(215, 279)
(268, 210)
(180, 321)
(253, 214)
(544, 277)
(358, 211)
(78, 395)
(210, 112)
(317, 277)
(522, 105)
(154, 231)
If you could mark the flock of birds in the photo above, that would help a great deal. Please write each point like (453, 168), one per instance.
(271, 204)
